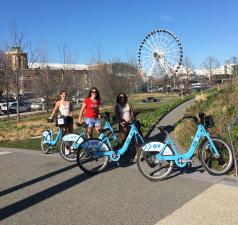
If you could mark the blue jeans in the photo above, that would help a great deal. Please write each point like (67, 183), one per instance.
(93, 122)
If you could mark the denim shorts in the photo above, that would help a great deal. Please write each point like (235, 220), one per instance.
(93, 122)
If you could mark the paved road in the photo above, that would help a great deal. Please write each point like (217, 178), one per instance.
(22, 114)
(44, 189)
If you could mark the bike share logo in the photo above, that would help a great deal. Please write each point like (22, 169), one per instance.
(91, 144)
(156, 145)
(195, 141)
(152, 146)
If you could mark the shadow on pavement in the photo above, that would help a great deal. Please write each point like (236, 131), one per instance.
(179, 171)
(34, 199)
(36, 180)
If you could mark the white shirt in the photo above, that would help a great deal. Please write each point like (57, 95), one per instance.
(64, 109)
(125, 112)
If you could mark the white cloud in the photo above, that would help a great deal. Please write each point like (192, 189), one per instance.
(166, 18)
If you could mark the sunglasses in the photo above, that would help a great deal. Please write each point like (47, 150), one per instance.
(94, 92)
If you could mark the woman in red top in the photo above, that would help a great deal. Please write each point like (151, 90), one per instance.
(90, 110)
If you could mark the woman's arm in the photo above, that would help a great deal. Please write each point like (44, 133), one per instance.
(55, 109)
(117, 114)
(131, 113)
(70, 109)
(81, 112)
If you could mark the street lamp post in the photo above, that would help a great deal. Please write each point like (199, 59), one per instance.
(17, 85)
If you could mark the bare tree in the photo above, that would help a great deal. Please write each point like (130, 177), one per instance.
(2, 75)
(112, 77)
(16, 47)
(68, 74)
(6, 77)
(210, 64)
(188, 67)
(46, 81)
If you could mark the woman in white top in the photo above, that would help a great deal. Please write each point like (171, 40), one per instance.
(124, 114)
(66, 110)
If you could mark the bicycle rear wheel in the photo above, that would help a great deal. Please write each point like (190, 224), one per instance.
(216, 166)
(66, 153)
(87, 159)
(151, 168)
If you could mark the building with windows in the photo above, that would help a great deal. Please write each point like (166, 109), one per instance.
(47, 78)
(17, 57)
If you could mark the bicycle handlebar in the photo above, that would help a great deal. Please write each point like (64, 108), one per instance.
(81, 125)
(106, 116)
(50, 120)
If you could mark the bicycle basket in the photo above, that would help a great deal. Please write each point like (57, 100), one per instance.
(60, 122)
(209, 122)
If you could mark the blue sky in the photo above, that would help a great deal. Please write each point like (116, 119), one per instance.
(205, 27)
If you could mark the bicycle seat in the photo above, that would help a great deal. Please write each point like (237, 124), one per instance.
(103, 130)
(161, 128)
(194, 118)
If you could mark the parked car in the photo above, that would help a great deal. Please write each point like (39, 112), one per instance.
(27, 104)
(1, 103)
(36, 105)
(12, 107)
(150, 99)
(1, 112)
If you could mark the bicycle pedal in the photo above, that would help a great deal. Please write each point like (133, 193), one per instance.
(188, 161)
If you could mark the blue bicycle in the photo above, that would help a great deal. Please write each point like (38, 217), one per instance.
(48, 139)
(156, 160)
(94, 154)
(71, 142)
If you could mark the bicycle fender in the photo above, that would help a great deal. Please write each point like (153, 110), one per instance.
(73, 138)
(47, 135)
(157, 147)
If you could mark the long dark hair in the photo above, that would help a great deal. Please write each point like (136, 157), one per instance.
(98, 94)
(118, 97)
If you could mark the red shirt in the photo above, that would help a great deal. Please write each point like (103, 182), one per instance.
(92, 108)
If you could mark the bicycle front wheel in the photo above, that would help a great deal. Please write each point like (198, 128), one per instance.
(151, 168)
(45, 147)
(87, 158)
(214, 165)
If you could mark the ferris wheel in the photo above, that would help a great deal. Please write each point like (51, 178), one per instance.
(160, 54)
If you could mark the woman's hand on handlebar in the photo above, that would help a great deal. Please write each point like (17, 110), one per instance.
(80, 123)
(50, 120)
(123, 123)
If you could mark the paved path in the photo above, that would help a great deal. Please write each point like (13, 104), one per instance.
(44, 189)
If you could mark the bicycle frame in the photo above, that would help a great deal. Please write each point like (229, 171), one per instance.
(52, 141)
(77, 138)
(111, 153)
(107, 125)
(182, 159)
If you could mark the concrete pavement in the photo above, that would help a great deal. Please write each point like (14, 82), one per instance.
(217, 205)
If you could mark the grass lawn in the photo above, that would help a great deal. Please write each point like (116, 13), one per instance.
(19, 135)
